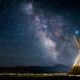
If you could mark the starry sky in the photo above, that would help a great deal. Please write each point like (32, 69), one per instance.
(38, 32)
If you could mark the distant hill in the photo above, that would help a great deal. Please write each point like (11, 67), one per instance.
(61, 68)
(36, 69)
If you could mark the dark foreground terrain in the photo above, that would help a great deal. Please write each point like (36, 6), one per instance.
(59, 72)
(35, 69)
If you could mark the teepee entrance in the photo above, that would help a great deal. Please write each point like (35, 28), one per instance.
(76, 66)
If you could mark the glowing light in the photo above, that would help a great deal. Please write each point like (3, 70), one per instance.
(76, 32)
(77, 61)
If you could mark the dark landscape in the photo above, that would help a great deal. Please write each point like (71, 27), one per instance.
(35, 69)
(56, 72)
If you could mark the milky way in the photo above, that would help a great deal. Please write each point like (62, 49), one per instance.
(52, 32)
(38, 33)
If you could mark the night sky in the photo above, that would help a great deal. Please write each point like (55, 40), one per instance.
(38, 32)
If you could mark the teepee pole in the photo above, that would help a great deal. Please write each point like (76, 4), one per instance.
(76, 66)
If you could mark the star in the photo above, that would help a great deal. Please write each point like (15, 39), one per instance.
(76, 32)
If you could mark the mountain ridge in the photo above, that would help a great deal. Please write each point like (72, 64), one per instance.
(36, 69)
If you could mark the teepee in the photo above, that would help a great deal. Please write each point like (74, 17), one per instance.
(76, 66)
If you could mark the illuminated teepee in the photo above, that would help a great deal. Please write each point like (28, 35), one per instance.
(76, 66)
